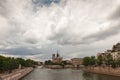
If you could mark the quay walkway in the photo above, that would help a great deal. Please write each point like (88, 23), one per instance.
(16, 75)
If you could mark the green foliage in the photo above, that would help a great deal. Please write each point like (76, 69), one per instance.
(114, 64)
(66, 63)
(92, 60)
(49, 62)
(86, 61)
(109, 59)
(29, 63)
(9, 63)
(89, 61)
(102, 60)
(118, 62)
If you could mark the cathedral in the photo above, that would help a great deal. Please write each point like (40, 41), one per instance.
(56, 58)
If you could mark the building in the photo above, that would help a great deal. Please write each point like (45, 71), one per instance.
(116, 47)
(56, 58)
(114, 52)
(77, 62)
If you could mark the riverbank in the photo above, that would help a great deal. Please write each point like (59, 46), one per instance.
(53, 66)
(17, 74)
(103, 70)
(60, 66)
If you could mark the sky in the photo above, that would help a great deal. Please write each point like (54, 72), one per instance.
(36, 29)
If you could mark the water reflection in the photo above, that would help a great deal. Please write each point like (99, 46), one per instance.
(66, 74)
(92, 76)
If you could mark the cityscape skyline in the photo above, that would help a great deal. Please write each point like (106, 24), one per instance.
(36, 29)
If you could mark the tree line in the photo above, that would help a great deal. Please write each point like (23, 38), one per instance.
(11, 63)
(62, 63)
(105, 60)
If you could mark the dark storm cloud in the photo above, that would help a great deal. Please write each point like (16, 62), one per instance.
(21, 51)
(31, 51)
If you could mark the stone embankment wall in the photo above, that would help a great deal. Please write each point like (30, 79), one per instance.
(68, 66)
(16, 75)
(103, 70)
(58, 66)
(61, 67)
(54, 66)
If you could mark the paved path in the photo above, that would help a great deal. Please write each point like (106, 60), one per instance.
(17, 74)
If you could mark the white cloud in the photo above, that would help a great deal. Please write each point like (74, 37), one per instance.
(67, 25)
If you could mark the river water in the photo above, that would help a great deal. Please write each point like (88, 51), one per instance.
(65, 74)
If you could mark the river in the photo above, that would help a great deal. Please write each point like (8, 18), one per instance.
(65, 74)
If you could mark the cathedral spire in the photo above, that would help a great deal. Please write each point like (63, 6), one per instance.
(58, 54)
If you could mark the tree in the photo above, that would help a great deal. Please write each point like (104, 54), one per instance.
(21, 61)
(1, 62)
(30, 63)
(10, 63)
(109, 59)
(86, 61)
(114, 64)
(49, 62)
(92, 60)
(64, 62)
(100, 60)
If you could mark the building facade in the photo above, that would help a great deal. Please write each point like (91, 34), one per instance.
(114, 52)
(56, 58)
(77, 62)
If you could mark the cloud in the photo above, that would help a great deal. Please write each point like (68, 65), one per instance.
(34, 26)
(116, 14)
(101, 35)
(69, 33)
(44, 2)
